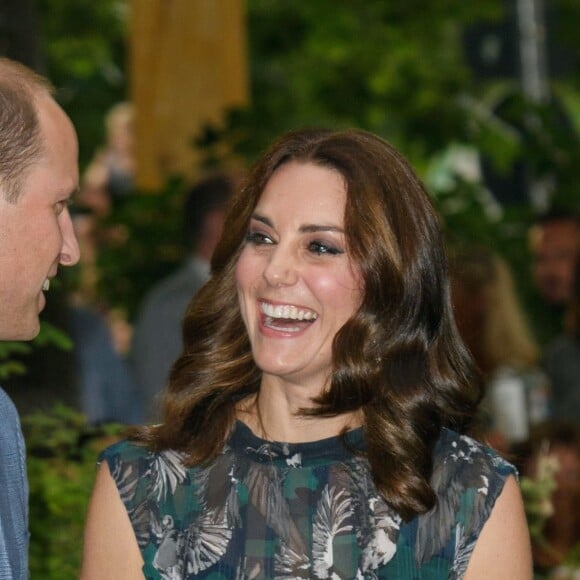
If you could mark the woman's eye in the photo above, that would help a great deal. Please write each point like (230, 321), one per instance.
(320, 248)
(258, 238)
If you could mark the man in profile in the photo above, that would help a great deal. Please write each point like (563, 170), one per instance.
(38, 175)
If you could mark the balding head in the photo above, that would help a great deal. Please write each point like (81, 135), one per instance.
(20, 136)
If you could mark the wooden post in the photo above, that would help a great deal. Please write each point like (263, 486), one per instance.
(187, 66)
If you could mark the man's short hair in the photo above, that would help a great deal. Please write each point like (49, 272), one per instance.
(20, 137)
(211, 193)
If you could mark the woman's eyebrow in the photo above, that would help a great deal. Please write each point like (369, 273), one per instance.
(263, 219)
(311, 228)
(304, 229)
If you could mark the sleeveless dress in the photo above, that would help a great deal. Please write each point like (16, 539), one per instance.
(305, 510)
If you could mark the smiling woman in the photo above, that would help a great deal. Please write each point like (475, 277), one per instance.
(297, 288)
(315, 424)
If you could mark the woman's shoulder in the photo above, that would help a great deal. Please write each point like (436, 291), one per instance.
(462, 455)
(128, 460)
(124, 451)
(465, 467)
(138, 471)
(467, 478)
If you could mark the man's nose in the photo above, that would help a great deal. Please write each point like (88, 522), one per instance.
(70, 252)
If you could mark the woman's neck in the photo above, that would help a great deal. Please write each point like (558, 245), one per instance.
(273, 414)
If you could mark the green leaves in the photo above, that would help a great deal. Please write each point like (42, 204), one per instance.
(48, 335)
(85, 52)
(62, 451)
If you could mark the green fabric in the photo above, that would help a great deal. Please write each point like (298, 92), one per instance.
(310, 510)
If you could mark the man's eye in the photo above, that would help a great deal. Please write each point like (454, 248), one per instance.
(320, 248)
(258, 239)
(63, 204)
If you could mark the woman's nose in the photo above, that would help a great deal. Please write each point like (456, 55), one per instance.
(281, 268)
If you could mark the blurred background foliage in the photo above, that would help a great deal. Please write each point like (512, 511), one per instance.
(403, 70)
(62, 452)
(83, 52)
(394, 68)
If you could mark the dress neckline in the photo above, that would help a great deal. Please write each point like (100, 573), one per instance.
(337, 448)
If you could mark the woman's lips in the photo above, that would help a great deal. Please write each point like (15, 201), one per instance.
(287, 312)
(285, 319)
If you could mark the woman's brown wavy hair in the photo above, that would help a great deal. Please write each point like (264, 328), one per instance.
(399, 358)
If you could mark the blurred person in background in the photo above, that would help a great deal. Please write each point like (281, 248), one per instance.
(38, 176)
(493, 325)
(561, 360)
(108, 181)
(554, 242)
(157, 338)
(110, 176)
(106, 390)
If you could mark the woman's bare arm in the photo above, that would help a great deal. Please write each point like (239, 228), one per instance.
(110, 547)
(503, 551)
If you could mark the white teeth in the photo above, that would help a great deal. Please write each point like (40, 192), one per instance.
(46, 285)
(287, 312)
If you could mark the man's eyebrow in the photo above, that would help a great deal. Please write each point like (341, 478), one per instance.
(69, 194)
(305, 229)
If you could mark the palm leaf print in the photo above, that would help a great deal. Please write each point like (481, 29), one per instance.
(333, 511)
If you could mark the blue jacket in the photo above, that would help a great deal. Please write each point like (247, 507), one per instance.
(13, 495)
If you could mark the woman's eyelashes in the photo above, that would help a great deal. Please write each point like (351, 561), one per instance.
(258, 238)
(317, 247)
(320, 248)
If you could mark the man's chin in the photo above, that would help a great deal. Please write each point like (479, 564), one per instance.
(28, 333)
(30, 326)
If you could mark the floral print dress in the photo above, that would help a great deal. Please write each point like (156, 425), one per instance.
(305, 510)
